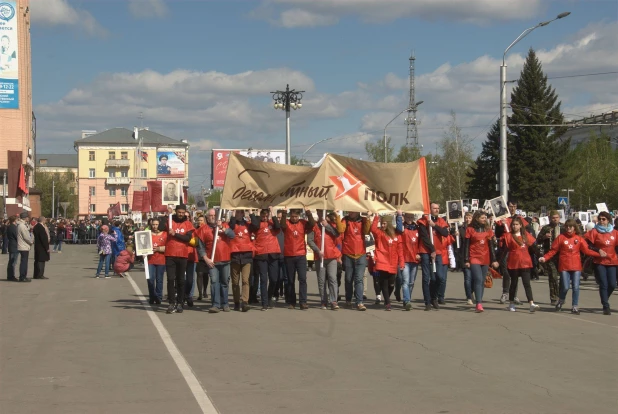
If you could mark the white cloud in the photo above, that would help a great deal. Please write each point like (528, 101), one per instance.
(309, 13)
(146, 9)
(61, 13)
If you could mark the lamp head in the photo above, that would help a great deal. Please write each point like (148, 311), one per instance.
(562, 15)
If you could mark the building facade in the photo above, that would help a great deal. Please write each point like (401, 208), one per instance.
(113, 164)
(17, 121)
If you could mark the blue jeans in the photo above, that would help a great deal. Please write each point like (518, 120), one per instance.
(104, 259)
(478, 280)
(566, 278)
(442, 290)
(155, 283)
(58, 245)
(467, 282)
(189, 278)
(408, 277)
(354, 273)
(219, 284)
(432, 282)
(606, 276)
(10, 267)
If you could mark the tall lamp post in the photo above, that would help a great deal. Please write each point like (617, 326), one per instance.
(409, 109)
(503, 164)
(286, 100)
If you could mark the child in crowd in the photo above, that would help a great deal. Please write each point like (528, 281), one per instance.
(124, 261)
(104, 247)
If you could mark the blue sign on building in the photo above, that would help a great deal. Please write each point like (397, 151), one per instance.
(9, 62)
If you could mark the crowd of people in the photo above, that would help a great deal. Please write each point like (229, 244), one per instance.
(264, 252)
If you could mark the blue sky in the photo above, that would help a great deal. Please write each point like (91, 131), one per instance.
(202, 70)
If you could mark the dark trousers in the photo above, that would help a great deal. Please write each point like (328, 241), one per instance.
(297, 265)
(387, 285)
(281, 289)
(10, 267)
(202, 284)
(5, 244)
(23, 264)
(525, 278)
(269, 275)
(189, 277)
(254, 283)
(39, 270)
(432, 281)
(176, 268)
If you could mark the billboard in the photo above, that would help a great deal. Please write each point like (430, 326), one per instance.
(220, 158)
(9, 69)
(171, 163)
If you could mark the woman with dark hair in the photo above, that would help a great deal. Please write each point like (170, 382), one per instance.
(604, 237)
(388, 255)
(517, 244)
(568, 246)
(466, 270)
(479, 252)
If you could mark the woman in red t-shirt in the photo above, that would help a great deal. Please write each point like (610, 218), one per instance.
(479, 252)
(519, 262)
(156, 263)
(388, 255)
(604, 237)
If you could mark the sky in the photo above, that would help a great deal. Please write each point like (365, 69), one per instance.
(202, 70)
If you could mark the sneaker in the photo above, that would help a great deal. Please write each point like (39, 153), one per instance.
(378, 299)
(323, 307)
(469, 302)
(264, 309)
(558, 306)
(388, 307)
(517, 301)
(190, 302)
(171, 309)
(434, 303)
(361, 307)
(479, 308)
(441, 302)
(408, 306)
(334, 306)
(226, 308)
(108, 277)
(97, 276)
(427, 308)
(503, 298)
(575, 310)
(214, 309)
(304, 306)
(245, 307)
(607, 311)
(179, 308)
(534, 307)
(512, 307)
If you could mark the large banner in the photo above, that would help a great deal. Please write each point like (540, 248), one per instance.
(171, 163)
(9, 68)
(339, 183)
(220, 158)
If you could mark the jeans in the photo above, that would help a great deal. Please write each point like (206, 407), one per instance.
(176, 268)
(10, 267)
(566, 278)
(155, 283)
(354, 273)
(58, 245)
(269, 275)
(219, 284)
(327, 280)
(478, 280)
(467, 282)
(297, 264)
(104, 260)
(432, 281)
(606, 276)
(189, 277)
(408, 277)
(442, 289)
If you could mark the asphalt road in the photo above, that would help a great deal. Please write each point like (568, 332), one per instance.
(75, 344)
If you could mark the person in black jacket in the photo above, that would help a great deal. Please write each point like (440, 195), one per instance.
(11, 233)
(41, 248)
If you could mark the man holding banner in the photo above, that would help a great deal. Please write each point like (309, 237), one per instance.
(354, 229)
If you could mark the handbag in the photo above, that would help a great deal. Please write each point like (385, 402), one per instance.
(489, 281)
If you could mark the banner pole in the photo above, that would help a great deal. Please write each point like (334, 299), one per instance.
(433, 261)
(457, 230)
(146, 267)
(214, 244)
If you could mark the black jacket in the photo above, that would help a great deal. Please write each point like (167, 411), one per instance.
(41, 243)
(11, 232)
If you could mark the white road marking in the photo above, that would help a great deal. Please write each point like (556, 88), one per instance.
(79, 300)
(585, 320)
(183, 366)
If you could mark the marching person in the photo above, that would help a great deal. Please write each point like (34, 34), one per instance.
(432, 252)
(40, 233)
(517, 244)
(501, 228)
(568, 247)
(354, 228)
(156, 263)
(265, 229)
(467, 273)
(295, 252)
(388, 255)
(604, 237)
(479, 253)
(545, 239)
(202, 271)
(408, 230)
(327, 272)
(242, 249)
(176, 255)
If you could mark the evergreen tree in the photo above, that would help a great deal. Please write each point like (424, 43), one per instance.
(536, 153)
(483, 181)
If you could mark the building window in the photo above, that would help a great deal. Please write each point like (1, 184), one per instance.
(144, 173)
(111, 155)
(112, 192)
(90, 155)
(144, 188)
(124, 208)
(124, 173)
(42, 162)
(112, 173)
(124, 191)
(124, 155)
(92, 208)
(91, 173)
(92, 191)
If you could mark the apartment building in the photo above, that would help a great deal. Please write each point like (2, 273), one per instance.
(114, 163)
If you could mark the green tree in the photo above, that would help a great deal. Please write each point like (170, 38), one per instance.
(482, 175)
(408, 153)
(536, 153)
(63, 189)
(375, 150)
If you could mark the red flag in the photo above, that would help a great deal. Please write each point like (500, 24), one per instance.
(144, 155)
(146, 202)
(155, 191)
(138, 200)
(21, 185)
(113, 211)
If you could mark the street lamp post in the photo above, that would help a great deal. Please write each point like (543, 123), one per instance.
(286, 100)
(568, 191)
(391, 121)
(503, 151)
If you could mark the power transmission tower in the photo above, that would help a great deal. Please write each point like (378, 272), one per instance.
(412, 131)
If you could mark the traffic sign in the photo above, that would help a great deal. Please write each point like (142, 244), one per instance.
(563, 201)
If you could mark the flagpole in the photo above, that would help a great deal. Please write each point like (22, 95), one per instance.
(214, 244)
(433, 261)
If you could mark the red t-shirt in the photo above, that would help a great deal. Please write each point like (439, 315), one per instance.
(606, 242)
(479, 245)
(158, 240)
(568, 247)
(175, 247)
(294, 239)
(519, 256)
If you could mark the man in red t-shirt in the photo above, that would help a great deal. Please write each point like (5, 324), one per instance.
(176, 255)
(295, 254)
(432, 282)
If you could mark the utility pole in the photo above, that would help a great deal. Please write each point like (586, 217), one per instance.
(53, 197)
